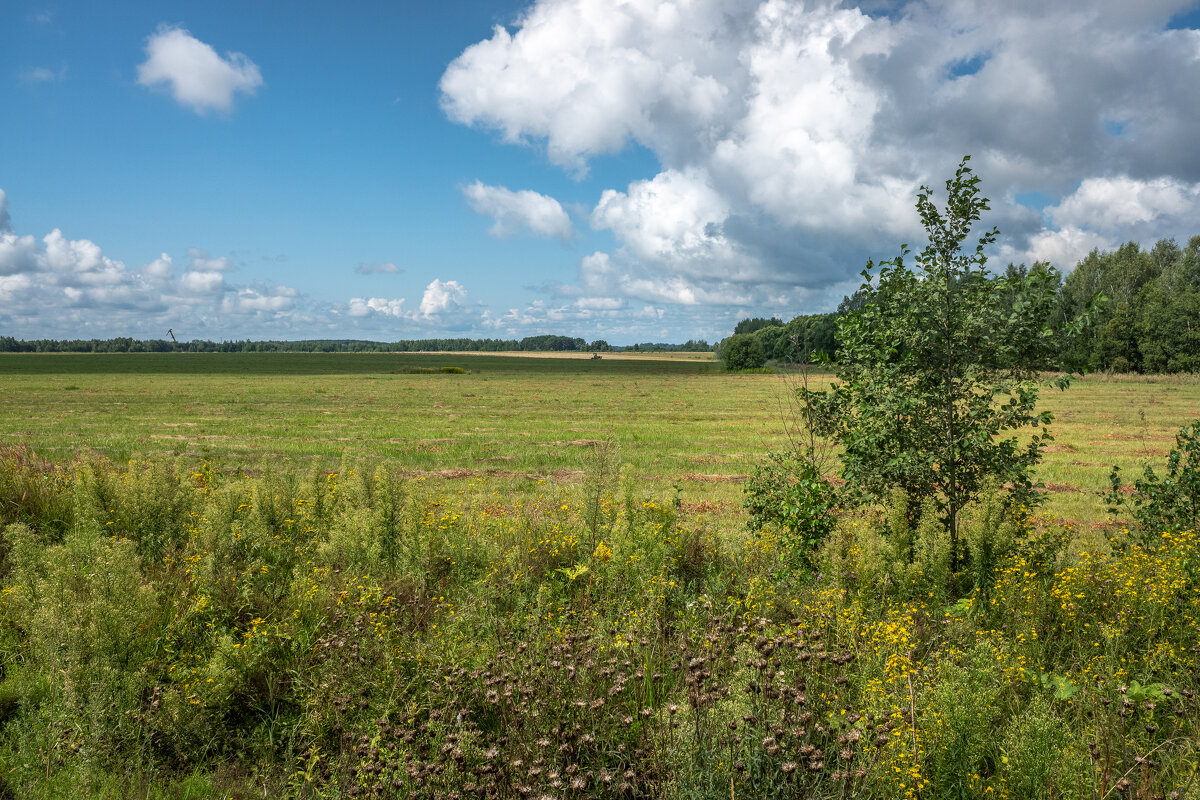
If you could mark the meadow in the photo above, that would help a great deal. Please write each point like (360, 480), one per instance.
(306, 575)
(676, 418)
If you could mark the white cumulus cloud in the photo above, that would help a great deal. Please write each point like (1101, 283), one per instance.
(441, 296)
(1104, 212)
(362, 307)
(588, 76)
(202, 282)
(202, 261)
(1116, 203)
(197, 76)
(513, 212)
(792, 137)
(1066, 246)
(674, 220)
(161, 268)
(62, 287)
(259, 299)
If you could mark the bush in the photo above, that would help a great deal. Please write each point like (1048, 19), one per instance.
(743, 351)
(1171, 503)
(789, 493)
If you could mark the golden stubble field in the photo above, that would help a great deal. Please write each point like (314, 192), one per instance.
(676, 419)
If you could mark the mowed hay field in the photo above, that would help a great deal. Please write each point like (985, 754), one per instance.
(676, 418)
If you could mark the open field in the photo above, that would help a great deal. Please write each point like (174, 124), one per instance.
(341, 577)
(675, 417)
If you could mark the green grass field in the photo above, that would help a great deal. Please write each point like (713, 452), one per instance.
(676, 418)
(344, 576)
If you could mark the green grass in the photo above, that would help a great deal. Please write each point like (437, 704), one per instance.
(417, 584)
(676, 419)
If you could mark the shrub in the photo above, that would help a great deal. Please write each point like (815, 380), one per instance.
(789, 493)
(1170, 503)
(743, 351)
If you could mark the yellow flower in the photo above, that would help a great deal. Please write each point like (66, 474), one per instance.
(602, 552)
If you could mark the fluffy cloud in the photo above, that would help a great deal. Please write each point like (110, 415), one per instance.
(1104, 212)
(160, 269)
(69, 288)
(588, 77)
(602, 276)
(362, 307)
(197, 76)
(674, 220)
(202, 261)
(18, 254)
(1065, 246)
(260, 299)
(442, 296)
(441, 306)
(206, 282)
(793, 136)
(1124, 203)
(517, 211)
(600, 303)
(72, 276)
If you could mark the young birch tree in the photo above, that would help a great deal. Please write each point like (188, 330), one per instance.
(939, 368)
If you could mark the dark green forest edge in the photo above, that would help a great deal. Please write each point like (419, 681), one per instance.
(914, 630)
(1148, 319)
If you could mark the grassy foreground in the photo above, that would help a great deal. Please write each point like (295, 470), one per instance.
(169, 633)
(362, 626)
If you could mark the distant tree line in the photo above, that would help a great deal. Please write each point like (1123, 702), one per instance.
(1147, 318)
(1151, 322)
(545, 343)
(808, 337)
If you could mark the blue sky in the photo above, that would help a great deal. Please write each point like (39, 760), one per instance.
(630, 171)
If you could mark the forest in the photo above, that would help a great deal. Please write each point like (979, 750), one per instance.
(1146, 318)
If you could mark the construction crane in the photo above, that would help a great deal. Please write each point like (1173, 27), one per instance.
(171, 333)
